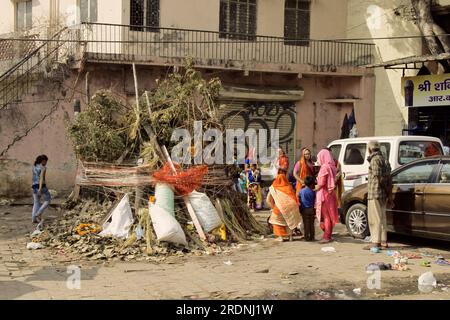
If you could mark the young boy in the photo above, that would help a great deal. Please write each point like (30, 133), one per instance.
(307, 200)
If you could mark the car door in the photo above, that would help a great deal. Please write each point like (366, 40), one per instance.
(407, 215)
(437, 203)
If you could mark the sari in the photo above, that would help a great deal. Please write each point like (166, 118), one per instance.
(285, 214)
(304, 168)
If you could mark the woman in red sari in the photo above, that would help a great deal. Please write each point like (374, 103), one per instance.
(285, 215)
(303, 168)
(326, 200)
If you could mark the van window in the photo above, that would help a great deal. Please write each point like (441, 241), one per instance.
(411, 150)
(355, 153)
(385, 149)
(336, 150)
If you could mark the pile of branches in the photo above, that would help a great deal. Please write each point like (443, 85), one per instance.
(108, 131)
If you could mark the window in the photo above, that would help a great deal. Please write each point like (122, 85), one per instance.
(24, 15)
(420, 173)
(411, 150)
(297, 16)
(144, 13)
(336, 150)
(355, 153)
(88, 10)
(238, 19)
(444, 176)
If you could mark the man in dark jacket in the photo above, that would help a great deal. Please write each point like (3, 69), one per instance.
(379, 190)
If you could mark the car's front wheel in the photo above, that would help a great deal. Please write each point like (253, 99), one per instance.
(357, 222)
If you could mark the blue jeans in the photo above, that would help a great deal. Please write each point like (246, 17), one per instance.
(38, 207)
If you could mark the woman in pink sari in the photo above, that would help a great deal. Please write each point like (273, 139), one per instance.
(326, 201)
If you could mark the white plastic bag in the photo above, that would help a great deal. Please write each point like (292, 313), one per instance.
(427, 282)
(34, 246)
(206, 212)
(166, 226)
(121, 220)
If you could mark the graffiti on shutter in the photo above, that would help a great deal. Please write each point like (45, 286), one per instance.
(263, 115)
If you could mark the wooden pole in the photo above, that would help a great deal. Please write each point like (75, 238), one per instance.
(138, 191)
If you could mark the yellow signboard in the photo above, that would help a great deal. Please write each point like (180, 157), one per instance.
(426, 91)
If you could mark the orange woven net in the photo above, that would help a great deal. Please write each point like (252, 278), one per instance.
(183, 181)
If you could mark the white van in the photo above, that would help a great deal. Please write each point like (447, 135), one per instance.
(352, 154)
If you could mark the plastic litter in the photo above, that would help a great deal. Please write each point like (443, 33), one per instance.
(375, 250)
(34, 246)
(400, 267)
(378, 266)
(166, 226)
(357, 291)
(425, 263)
(427, 282)
(139, 232)
(205, 211)
(36, 233)
(228, 263)
(442, 262)
(328, 249)
(121, 220)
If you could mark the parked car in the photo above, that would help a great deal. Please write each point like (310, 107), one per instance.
(399, 150)
(421, 193)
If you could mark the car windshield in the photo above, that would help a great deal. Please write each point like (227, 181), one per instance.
(411, 150)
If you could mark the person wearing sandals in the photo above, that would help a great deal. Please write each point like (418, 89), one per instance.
(379, 189)
(39, 188)
(326, 201)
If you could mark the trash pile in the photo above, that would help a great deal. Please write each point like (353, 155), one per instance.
(133, 201)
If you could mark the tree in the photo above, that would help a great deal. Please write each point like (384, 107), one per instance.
(435, 38)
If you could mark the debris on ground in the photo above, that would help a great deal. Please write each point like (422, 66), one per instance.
(122, 155)
(425, 263)
(427, 282)
(328, 249)
(442, 262)
(357, 291)
(400, 267)
(34, 246)
(375, 250)
(228, 263)
(378, 266)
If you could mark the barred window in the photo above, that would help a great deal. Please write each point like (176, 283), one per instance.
(144, 13)
(297, 19)
(88, 10)
(238, 19)
(24, 15)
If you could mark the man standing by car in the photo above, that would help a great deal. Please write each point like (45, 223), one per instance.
(379, 190)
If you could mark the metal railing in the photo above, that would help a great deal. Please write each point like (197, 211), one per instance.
(137, 43)
(21, 78)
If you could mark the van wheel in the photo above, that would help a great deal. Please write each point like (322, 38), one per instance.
(357, 222)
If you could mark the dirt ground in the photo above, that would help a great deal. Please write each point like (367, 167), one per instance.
(262, 269)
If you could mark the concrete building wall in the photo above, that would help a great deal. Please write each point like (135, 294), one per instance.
(376, 19)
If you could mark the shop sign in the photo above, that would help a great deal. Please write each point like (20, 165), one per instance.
(426, 91)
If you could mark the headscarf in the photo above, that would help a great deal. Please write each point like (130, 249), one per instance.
(281, 183)
(327, 168)
(304, 167)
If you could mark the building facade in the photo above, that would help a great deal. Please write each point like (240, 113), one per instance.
(383, 20)
(274, 73)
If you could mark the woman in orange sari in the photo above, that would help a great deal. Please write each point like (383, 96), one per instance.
(285, 215)
(303, 168)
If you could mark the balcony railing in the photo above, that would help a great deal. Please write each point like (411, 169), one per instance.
(137, 43)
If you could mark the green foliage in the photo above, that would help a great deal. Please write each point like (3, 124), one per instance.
(97, 133)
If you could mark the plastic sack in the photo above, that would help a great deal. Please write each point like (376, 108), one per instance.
(427, 282)
(121, 220)
(166, 226)
(206, 212)
(165, 198)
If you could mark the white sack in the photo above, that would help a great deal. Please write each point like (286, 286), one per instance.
(205, 211)
(166, 226)
(121, 220)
